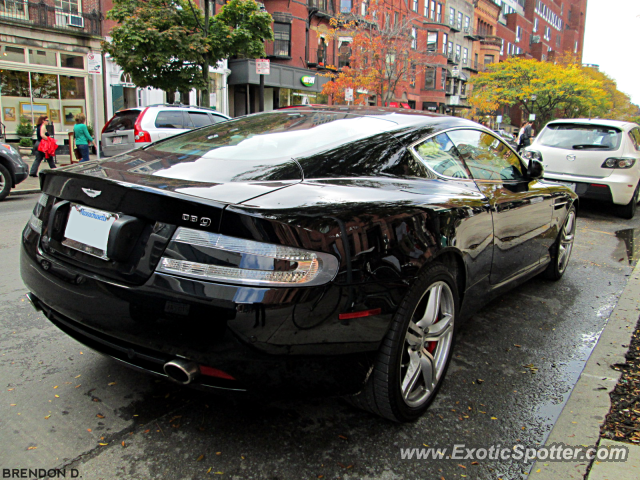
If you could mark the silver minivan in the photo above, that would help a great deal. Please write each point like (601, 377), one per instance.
(137, 127)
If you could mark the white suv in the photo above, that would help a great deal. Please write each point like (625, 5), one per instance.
(597, 158)
(137, 127)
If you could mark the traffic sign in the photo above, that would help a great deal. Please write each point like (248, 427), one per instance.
(263, 67)
(348, 94)
(94, 62)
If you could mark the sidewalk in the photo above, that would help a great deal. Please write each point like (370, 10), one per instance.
(587, 406)
(32, 184)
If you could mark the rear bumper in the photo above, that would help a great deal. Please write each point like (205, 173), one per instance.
(257, 335)
(113, 150)
(617, 187)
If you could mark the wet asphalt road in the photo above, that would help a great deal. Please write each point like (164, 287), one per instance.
(62, 405)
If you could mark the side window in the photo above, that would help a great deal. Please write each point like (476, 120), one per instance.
(199, 119)
(487, 157)
(440, 154)
(217, 118)
(635, 138)
(169, 119)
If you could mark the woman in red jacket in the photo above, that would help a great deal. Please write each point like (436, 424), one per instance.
(41, 132)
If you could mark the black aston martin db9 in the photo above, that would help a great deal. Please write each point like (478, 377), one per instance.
(314, 251)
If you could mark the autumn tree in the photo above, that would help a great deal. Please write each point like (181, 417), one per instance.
(386, 56)
(167, 44)
(616, 105)
(558, 88)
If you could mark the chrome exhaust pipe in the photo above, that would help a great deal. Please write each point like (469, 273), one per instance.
(34, 302)
(181, 371)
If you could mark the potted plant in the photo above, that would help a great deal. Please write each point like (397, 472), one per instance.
(25, 134)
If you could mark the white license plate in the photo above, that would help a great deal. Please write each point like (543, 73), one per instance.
(116, 140)
(88, 230)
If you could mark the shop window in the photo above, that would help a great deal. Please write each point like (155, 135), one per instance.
(14, 84)
(43, 57)
(72, 88)
(44, 86)
(69, 6)
(12, 54)
(71, 61)
(282, 39)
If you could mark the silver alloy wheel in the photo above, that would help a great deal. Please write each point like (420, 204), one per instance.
(2, 181)
(427, 344)
(566, 241)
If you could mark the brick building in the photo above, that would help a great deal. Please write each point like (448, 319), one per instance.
(44, 47)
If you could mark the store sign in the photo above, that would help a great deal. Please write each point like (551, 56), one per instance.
(263, 67)
(94, 63)
(308, 81)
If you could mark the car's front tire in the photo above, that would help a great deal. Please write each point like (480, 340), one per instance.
(414, 355)
(628, 211)
(562, 248)
(5, 182)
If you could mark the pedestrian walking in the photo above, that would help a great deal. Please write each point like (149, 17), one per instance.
(41, 132)
(524, 136)
(82, 137)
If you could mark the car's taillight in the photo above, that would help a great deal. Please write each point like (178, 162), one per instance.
(619, 162)
(140, 135)
(35, 221)
(215, 257)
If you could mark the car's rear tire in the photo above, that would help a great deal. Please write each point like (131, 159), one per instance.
(415, 353)
(5, 182)
(562, 248)
(628, 211)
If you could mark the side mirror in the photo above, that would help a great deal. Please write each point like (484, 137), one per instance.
(535, 169)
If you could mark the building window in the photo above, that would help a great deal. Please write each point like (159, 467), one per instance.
(433, 9)
(488, 59)
(426, 9)
(458, 53)
(12, 54)
(450, 48)
(71, 61)
(414, 38)
(518, 34)
(13, 8)
(502, 47)
(445, 38)
(364, 8)
(575, 47)
(68, 6)
(430, 78)
(452, 16)
(439, 14)
(43, 57)
(467, 22)
(443, 79)
(415, 5)
(535, 25)
(432, 42)
(344, 52)
(282, 39)
(459, 20)
(345, 6)
(465, 55)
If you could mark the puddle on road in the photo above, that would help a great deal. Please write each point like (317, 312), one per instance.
(631, 239)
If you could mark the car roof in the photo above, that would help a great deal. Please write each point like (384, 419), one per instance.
(596, 121)
(401, 116)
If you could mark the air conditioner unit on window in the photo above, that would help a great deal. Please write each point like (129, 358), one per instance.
(76, 21)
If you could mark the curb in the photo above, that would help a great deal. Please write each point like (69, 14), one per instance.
(589, 402)
(24, 192)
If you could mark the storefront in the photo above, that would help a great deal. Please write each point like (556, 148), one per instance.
(44, 71)
(284, 86)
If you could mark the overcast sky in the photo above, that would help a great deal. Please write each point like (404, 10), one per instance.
(611, 40)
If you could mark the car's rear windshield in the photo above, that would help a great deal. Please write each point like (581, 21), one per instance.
(273, 136)
(575, 136)
(123, 120)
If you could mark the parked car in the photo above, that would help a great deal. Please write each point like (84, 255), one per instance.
(137, 127)
(597, 158)
(13, 170)
(313, 251)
